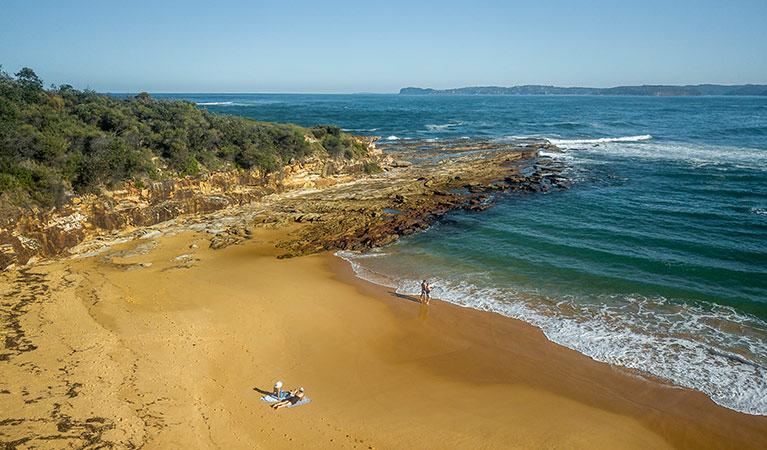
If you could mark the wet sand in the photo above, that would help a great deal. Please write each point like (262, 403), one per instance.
(175, 355)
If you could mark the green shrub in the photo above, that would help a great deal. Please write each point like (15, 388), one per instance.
(192, 168)
(371, 168)
(321, 131)
(60, 139)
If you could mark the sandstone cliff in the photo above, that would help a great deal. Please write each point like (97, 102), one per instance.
(26, 235)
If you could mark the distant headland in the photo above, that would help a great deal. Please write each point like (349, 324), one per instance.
(656, 90)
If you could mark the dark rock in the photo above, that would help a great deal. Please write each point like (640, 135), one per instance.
(223, 241)
(477, 207)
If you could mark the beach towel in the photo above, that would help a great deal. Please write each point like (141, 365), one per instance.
(271, 398)
(305, 400)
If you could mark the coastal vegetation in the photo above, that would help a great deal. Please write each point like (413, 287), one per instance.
(60, 141)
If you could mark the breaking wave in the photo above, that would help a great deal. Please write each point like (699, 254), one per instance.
(442, 127)
(646, 147)
(359, 130)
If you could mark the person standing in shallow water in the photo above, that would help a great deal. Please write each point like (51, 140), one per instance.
(425, 292)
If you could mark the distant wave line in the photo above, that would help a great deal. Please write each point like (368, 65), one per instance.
(215, 103)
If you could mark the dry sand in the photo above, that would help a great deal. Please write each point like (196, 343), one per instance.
(173, 355)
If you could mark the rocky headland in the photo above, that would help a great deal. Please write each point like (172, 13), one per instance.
(395, 190)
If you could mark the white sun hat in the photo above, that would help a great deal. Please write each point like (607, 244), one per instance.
(278, 384)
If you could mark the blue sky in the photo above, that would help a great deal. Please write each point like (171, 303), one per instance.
(358, 46)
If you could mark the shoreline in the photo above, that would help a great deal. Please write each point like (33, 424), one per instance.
(139, 347)
(404, 283)
(650, 400)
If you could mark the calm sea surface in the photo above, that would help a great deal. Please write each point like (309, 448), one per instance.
(655, 260)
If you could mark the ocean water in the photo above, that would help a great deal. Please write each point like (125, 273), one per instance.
(655, 260)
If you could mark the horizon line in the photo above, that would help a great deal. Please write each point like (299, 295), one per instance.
(437, 89)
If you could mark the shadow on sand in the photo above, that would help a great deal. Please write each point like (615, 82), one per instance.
(404, 297)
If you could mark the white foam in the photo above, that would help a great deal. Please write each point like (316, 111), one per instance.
(759, 211)
(684, 344)
(570, 142)
(392, 138)
(559, 156)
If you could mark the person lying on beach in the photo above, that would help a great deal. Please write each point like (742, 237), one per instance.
(295, 397)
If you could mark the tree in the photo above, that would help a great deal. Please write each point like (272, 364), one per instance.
(28, 77)
(31, 85)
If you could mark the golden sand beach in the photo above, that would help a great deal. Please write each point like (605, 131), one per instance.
(174, 352)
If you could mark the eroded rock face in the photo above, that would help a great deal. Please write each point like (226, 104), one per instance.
(26, 235)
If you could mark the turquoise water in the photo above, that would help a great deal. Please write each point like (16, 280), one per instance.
(655, 260)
